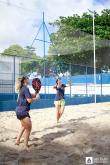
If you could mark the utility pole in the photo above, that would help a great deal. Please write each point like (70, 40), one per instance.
(93, 15)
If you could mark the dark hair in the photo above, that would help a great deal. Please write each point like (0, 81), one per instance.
(57, 80)
(22, 81)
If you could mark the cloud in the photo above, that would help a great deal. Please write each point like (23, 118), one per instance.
(54, 9)
(17, 25)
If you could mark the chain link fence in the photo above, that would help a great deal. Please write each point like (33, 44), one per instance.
(80, 76)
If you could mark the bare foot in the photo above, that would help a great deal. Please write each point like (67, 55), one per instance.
(26, 148)
(22, 141)
(58, 121)
(17, 142)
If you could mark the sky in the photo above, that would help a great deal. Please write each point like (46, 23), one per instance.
(20, 19)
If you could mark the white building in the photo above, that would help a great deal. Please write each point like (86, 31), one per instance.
(9, 71)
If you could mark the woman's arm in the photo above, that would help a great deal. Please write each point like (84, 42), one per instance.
(30, 98)
(34, 98)
(54, 87)
(69, 85)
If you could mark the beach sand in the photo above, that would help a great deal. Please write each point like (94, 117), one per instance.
(83, 131)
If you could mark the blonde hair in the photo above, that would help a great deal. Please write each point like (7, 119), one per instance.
(17, 85)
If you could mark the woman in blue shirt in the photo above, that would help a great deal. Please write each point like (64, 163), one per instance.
(22, 111)
(59, 98)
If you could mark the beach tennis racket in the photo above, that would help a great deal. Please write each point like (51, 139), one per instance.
(36, 84)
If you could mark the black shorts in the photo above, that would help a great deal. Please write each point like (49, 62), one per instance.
(22, 114)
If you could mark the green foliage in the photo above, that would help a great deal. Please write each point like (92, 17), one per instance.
(32, 65)
(17, 50)
(29, 61)
(74, 41)
(14, 50)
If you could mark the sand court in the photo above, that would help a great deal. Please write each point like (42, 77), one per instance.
(83, 131)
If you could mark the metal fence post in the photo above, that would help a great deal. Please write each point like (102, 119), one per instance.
(44, 56)
(86, 82)
(70, 78)
(101, 82)
(14, 72)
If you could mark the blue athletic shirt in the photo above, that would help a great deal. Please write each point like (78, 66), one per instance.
(60, 92)
(22, 103)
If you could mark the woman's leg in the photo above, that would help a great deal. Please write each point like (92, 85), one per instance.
(26, 122)
(62, 107)
(62, 110)
(57, 112)
(20, 134)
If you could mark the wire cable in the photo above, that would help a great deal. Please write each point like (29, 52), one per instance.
(9, 4)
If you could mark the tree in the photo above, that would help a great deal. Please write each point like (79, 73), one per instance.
(29, 61)
(17, 50)
(73, 39)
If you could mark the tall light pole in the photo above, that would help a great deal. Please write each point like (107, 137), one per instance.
(44, 55)
(93, 14)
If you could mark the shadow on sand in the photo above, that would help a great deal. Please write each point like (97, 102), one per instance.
(67, 146)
